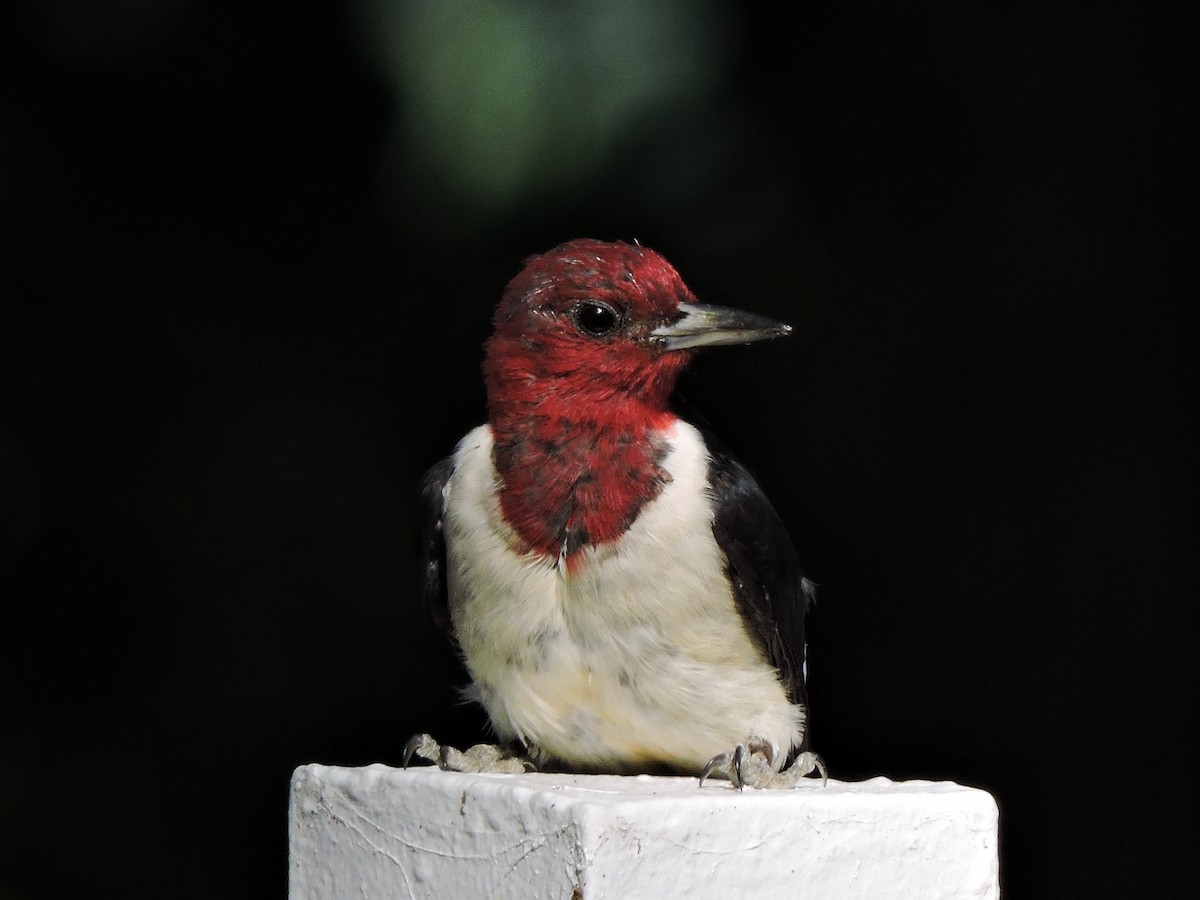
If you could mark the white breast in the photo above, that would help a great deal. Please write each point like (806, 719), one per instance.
(640, 656)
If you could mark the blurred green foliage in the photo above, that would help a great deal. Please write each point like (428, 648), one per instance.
(500, 99)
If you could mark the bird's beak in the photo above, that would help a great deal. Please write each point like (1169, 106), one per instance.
(715, 326)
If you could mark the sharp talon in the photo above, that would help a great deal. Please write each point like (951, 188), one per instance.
(416, 744)
(740, 765)
(824, 771)
(805, 764)
(753, 763)
(721, 759)
(736, 776)
(409, 749)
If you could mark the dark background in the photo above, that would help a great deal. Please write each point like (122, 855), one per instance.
(248, 252)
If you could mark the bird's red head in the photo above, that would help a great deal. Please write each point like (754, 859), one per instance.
(574, 334)
(589, 339)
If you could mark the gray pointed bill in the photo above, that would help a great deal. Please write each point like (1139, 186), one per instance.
(703, 325)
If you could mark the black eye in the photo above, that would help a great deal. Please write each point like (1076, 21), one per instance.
(595, 318)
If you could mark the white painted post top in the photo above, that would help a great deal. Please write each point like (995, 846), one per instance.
(379, 832)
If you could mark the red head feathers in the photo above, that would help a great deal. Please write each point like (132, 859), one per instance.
(589, 340)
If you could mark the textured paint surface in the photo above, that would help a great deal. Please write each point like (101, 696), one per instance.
(381, 832)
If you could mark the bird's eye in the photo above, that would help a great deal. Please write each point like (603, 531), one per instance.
(596, 319)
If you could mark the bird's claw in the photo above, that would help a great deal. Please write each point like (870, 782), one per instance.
(806, 763)
(422, 745)
(479, 758)
(735, 763)
(751, 764)
(729, 763)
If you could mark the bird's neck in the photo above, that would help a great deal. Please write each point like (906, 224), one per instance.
(576, 470)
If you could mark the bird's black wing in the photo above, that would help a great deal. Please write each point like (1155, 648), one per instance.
(431, 544)
(768, 585)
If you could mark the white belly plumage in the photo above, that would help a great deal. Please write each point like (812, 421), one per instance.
(640, 657)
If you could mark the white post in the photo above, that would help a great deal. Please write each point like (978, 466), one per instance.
(378, 832)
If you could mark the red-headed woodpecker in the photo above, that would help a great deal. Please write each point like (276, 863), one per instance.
(623, 594)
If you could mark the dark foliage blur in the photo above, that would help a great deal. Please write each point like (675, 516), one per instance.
(247, 257)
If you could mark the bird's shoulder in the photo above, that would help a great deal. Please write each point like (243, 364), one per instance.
(768, 584)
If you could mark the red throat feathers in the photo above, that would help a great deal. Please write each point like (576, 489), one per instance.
(575, 419)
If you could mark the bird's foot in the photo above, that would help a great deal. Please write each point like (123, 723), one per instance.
(751, 764)
(479, 758)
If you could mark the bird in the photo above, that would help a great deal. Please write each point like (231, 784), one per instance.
(624, 596)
